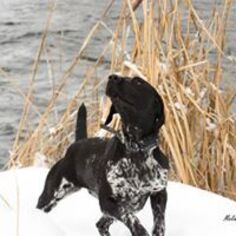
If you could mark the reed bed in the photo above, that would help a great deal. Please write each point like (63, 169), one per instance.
(167, 43)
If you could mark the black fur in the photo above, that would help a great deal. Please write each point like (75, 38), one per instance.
(81, 123)
(124, 171)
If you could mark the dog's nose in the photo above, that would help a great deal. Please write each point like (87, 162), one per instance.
(115, 78)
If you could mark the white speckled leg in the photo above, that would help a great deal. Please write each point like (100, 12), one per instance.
(132, 222)
(103, 225)
(158, 204)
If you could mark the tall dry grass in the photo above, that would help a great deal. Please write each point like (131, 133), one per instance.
(182, 56)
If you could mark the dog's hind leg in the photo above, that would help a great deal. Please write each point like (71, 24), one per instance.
(158, 204)
(103, 225)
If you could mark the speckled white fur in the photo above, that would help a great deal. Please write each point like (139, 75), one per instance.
(126, 178)
(61, 192)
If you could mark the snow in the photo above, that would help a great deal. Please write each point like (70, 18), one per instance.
(40, 160)
(190, 211)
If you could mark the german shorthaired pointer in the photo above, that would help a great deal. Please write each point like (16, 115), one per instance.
(124, 171)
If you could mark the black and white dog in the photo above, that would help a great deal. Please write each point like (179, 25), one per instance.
(124, 171)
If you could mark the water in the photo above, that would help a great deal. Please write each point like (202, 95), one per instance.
(21, 25)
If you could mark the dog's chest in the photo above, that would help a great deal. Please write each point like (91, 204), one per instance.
(129, 180)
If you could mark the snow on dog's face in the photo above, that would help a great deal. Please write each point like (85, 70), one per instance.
(56, 188)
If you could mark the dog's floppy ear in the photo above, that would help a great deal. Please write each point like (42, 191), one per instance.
(110, 115)
(160, 114)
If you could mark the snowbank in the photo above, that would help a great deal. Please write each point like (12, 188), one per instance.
(190, 211)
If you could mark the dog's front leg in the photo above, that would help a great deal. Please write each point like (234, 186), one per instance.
(114, 209)
(103, 225)
(134, 225)
(158, 204)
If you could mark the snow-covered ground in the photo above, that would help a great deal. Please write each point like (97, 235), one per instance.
(190, 211)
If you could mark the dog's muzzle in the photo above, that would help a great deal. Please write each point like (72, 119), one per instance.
(114, 82)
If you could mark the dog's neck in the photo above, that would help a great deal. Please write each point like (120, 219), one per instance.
(145, 144)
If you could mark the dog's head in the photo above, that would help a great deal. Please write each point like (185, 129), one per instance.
(57, 186)
(138, 103)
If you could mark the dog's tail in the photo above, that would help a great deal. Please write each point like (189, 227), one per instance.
(81, 123)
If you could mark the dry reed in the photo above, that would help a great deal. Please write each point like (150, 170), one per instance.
(199, 135)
